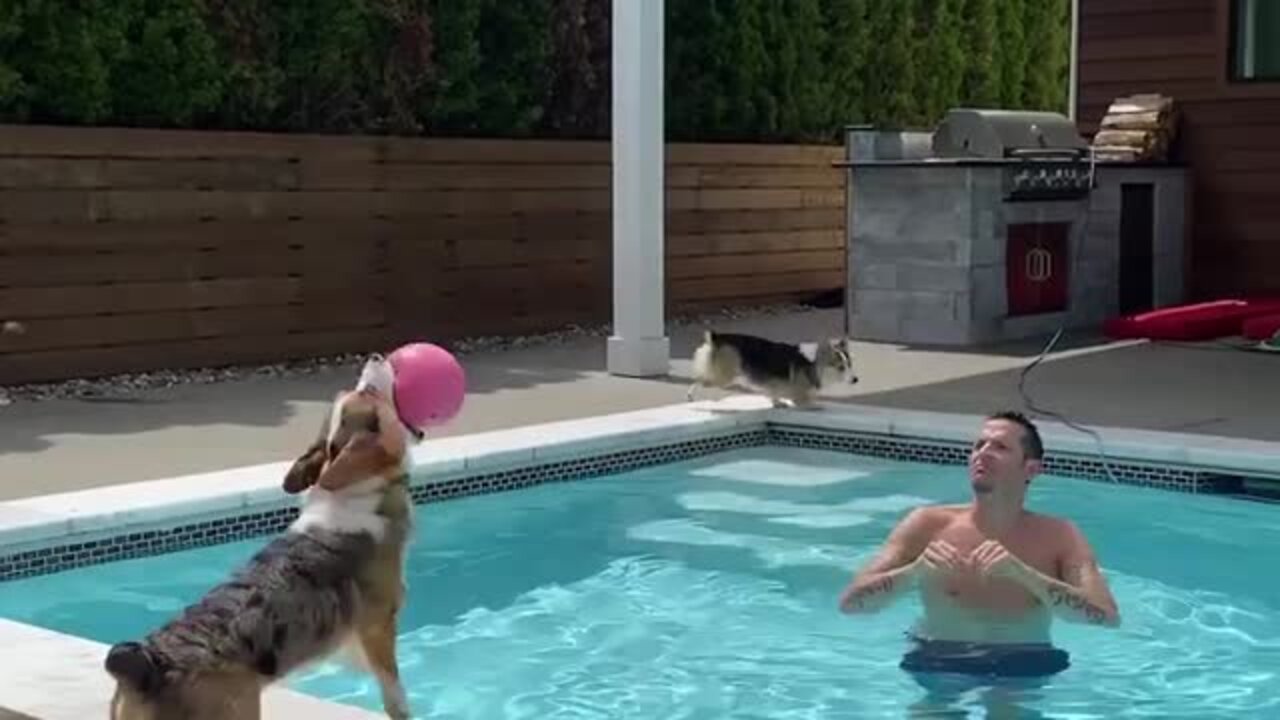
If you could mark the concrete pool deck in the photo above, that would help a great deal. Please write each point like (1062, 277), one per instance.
(1207, 390)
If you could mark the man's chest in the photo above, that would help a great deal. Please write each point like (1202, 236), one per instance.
(1026, 546)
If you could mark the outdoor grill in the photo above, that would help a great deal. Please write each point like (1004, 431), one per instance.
(999, 225)
(1047, 157)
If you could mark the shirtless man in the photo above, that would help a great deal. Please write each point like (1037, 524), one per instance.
(992, 575)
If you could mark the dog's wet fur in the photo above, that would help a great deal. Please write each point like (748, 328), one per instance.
(781, 371)
(333, 581)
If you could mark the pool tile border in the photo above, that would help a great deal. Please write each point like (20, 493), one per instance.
(942, 453)
(246, 502)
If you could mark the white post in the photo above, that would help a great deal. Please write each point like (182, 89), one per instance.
(639, 345)
(1073, 72)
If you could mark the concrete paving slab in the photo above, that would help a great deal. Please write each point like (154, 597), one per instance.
(61, 445)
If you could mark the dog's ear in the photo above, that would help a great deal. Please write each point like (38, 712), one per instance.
(130, 663)
(306, 469)
(372, 447)
(362, 455)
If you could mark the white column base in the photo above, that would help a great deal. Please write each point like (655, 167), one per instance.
(639, 357)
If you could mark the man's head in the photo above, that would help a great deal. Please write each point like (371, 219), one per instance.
(1006, 455)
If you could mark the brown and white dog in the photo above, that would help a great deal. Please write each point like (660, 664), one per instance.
(334, 580)
(776, 369)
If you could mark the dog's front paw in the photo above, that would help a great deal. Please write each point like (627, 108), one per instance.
(394, 701)
(398, 710)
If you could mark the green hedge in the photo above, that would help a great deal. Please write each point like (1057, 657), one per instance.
(762, 70)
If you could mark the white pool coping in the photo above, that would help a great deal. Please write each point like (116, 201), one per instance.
(84, 513)
(52, 676)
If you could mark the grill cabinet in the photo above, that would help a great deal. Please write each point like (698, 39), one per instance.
(997, 225)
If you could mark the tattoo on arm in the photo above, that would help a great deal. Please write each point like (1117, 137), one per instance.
(879, 592)
(1070, 598)
(892, 571)
(1077, 605)
(860, 598)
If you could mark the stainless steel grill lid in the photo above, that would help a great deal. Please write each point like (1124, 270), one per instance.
(998, 134)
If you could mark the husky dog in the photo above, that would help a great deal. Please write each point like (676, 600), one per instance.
(778, 370)
(333, 581)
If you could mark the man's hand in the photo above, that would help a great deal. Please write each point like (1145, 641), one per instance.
(941, 557)
(1069, 601)
(993, 560)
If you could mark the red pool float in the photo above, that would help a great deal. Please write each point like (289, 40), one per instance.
(1197, 321)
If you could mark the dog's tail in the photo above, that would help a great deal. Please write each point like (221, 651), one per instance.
(702, 356)
(131, 664)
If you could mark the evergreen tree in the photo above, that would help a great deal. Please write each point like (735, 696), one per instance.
(889, 72)
(848, 43)
(981, 86)
(1013, 54)
(940, 74)
(1048, 21)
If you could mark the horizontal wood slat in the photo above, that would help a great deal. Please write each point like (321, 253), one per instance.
(755, 264)
(732, 243)
(1131, 7)
(125, 250)
(20, 367)
(770, 285)
(1170, 21)
(145, 327)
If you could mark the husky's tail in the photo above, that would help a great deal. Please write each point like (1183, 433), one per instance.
(702, 356)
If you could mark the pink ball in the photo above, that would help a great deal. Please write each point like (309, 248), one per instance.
(430, 384)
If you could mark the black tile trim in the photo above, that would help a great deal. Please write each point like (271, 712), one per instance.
(133, 543)
(1146, 474)
(212, 532)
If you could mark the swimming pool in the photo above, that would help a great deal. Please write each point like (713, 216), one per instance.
(706, 588)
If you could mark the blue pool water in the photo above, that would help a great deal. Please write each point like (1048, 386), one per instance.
(706, 589)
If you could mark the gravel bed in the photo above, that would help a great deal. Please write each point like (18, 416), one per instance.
(125, 385)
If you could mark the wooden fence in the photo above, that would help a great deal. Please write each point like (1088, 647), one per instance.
(125, 250)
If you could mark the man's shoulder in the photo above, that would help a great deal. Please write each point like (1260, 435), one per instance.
(935, 513)
(1053, 526)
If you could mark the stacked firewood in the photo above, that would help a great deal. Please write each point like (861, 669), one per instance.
(1137, 128)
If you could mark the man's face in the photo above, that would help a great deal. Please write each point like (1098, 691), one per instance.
(998, 461)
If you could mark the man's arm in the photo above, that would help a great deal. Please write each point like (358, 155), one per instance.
(1082, 595)
(1085, 595)
(893, 571)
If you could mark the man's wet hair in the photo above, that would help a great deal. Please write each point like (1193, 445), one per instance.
(1032, 445)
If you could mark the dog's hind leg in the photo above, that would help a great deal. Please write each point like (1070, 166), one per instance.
(378, 641)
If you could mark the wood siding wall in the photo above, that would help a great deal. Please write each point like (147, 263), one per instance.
(129, 250)
(1230, 133)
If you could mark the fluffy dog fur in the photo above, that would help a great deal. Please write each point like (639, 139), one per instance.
(778, 370)
(333, 580)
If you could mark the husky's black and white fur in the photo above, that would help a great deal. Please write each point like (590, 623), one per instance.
(776, 369)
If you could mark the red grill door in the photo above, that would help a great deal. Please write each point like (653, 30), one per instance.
(1036, 267)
